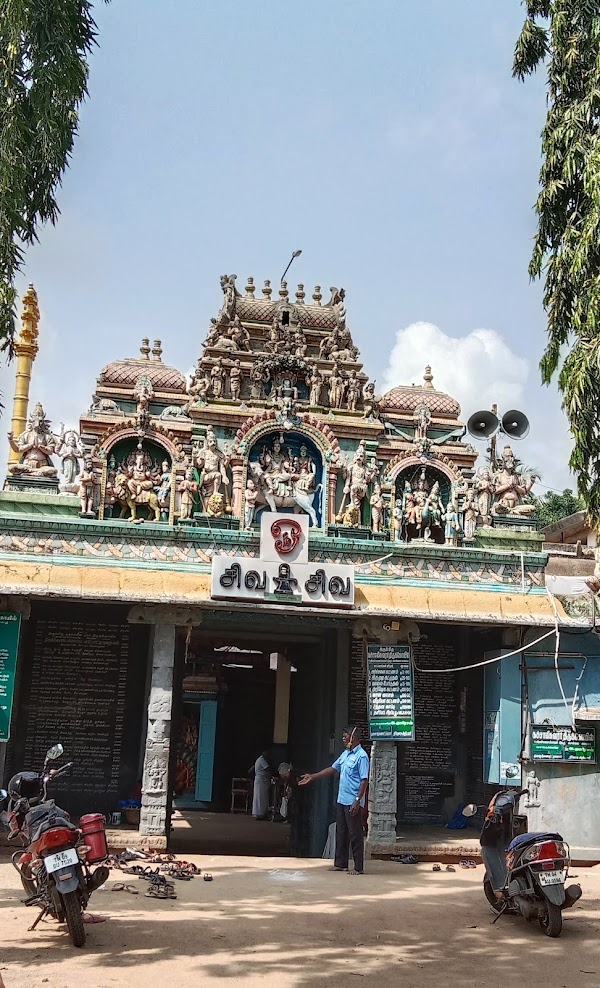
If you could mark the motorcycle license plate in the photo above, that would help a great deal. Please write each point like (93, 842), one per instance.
(62, 859)
(551, 877)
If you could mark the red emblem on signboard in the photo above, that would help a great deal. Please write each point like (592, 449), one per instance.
(286, 534)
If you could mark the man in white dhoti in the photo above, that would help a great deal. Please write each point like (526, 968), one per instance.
(262, 785)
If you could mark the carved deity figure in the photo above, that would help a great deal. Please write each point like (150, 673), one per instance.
(71, 452)
(358, 476)
(144, 392)
(352, 391)
(257, 379)
(212, 464)
(371, 401)
(433, 512)
(235, 380)
(315, 383)
(511, 484)
(484, 489)
(239, 335)
(139, 477)
(188, 488)
(453, 529)
(397, 520)
(200, 384)
(377, 506)
(305, 471)
(229, 290)
(300, 346)
(337, 387)
(88, 488)
(250, 503)
(422, 421)
(35, 446)
(163, 491)
(277, 469)
(470, 516)
(217, 378)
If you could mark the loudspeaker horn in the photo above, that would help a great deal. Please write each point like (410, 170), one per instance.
(483, 424)
(515, 424)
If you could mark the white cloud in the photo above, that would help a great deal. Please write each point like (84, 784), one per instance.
(480, 370)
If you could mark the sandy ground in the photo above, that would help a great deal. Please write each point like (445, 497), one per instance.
(288, 922)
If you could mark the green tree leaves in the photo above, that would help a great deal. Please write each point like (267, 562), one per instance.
(554, 506)
(564, 35)
(43, 79)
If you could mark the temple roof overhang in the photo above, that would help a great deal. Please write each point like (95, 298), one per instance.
(103, 583)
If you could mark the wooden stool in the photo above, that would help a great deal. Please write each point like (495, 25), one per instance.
(241, 791)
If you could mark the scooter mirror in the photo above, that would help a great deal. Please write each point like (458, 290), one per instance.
(470, 809)
(54, 752)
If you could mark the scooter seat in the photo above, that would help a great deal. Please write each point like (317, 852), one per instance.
(522, 840)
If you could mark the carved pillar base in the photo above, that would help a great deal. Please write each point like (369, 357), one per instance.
(237, 491)
(331, 494)
(155, 781)
(383, 785)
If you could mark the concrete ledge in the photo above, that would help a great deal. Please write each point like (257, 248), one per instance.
(427, 850)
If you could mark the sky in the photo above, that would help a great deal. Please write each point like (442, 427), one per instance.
(386, 139)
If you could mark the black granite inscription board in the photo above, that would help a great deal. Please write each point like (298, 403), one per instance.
(426, 765)
(87, 692)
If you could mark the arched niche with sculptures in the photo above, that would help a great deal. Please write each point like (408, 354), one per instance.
(138, 482)
(424, 505)
(285, 472)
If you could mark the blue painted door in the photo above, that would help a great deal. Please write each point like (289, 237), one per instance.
(206, 750)
(502, 724)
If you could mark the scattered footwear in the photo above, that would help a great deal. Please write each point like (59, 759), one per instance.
(207, 877)
(437, 867)
(121, 887)
(160, 892)
(467, 863)
(405, 858)
(450, 868)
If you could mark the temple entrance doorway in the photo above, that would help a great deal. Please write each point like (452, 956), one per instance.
(239, 696)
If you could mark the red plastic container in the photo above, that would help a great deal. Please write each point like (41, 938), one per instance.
(92, 827)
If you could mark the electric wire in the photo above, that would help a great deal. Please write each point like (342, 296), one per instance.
(487, 662)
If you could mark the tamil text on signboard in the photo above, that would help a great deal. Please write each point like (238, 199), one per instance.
(563, 744)
(9, 645)
(390, 692)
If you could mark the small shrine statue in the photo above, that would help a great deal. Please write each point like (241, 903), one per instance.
(371, 402)
(257, 381)
(35, 446)
(337, 387)
(89, 485)
(212, 464)
(484, 489)
(239, 335)
(453, 528)
(315, 382)
(235, 380)
(144, 392)
(188, 488)
(377, 507)
(200, 384)
(300, 346)
(358, 477)
(250, 503)
(163, 491)
(352, 390)
(422, 421)
(433, 513)
(470, 516)
(511, 484)
(217, 378)
(70, 452)
(305, 472)
(397, 520)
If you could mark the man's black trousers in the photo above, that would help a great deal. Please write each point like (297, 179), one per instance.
(349, 831)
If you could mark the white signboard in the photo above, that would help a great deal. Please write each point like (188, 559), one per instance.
(241, 578)
(283, 537)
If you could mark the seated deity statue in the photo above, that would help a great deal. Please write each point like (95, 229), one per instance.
(35, 446)
(511, 485)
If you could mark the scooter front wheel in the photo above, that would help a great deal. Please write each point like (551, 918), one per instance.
(490, 895)
(551, 921)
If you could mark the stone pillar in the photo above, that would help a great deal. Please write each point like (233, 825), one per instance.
(332, 480)
(26, 348)
(237, 490)
(282, 699)
(383, 786)
(155, 780)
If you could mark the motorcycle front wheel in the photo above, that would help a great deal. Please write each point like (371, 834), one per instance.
(551, 921)
(74, 918)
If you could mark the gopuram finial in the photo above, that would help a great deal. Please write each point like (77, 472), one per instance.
(428, 378)
(317, 296)
(267, 289)
(300, 294)
(145, 349)
(250, 288)
(157, 351)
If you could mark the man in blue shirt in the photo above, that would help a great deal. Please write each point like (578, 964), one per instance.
(352, 766)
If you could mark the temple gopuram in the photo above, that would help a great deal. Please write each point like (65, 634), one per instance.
(204, 568)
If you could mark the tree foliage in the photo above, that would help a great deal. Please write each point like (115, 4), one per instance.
(565, 36)
(552, 506)
(44, 46)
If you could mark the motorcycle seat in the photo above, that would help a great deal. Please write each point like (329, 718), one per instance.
(44, 817)
(523, 840)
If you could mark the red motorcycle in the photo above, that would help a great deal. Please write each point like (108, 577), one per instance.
(55, 867)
